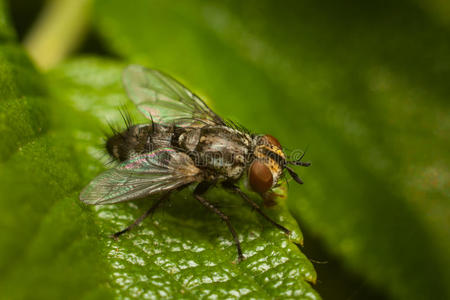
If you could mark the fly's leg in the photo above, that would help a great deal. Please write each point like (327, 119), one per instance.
(244, 196)
(202, 188)
(142, 218)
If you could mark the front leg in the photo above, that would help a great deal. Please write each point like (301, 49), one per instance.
(201, 189)
(244, 196)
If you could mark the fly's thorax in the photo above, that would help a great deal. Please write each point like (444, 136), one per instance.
(219, 150)
(267, 165)
(188, 138)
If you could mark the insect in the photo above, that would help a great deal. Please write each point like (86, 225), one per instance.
(185, 143)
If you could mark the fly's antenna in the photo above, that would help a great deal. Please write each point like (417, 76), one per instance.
(294, 175)
(298, 162)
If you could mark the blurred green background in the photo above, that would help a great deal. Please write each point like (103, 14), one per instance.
(364, 86)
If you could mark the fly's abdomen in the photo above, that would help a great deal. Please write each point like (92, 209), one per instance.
(138, 139)
(135, 139)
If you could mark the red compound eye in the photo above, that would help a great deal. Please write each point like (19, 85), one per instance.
(272, 140)
(260, 177)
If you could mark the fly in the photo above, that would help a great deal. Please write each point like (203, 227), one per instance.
(185, 143)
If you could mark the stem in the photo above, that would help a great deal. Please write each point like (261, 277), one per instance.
(58, 30)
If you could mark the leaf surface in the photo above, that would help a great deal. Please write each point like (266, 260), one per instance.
(184, 251)
(53, 246)
(364, 85)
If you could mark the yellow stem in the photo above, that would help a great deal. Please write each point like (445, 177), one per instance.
(58, 31)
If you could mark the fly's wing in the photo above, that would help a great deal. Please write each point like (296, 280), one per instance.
(164, 100)
(143, 175)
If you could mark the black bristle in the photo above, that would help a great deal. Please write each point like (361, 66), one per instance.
(126, 116)
(116, 137)
(237, 126)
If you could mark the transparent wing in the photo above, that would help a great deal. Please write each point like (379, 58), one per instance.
(143, 175)
(163, 99)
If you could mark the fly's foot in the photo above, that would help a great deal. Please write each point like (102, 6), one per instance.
(240, 258)
(116, 235)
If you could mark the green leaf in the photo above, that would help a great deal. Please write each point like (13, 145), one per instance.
(48, 246)
(184, 251)
(7, 33)
(364, 85)
(53, 247)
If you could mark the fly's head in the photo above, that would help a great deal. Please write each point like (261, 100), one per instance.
(269, 162)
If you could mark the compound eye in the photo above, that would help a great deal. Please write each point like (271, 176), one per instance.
(272, 140)
(260, 177)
